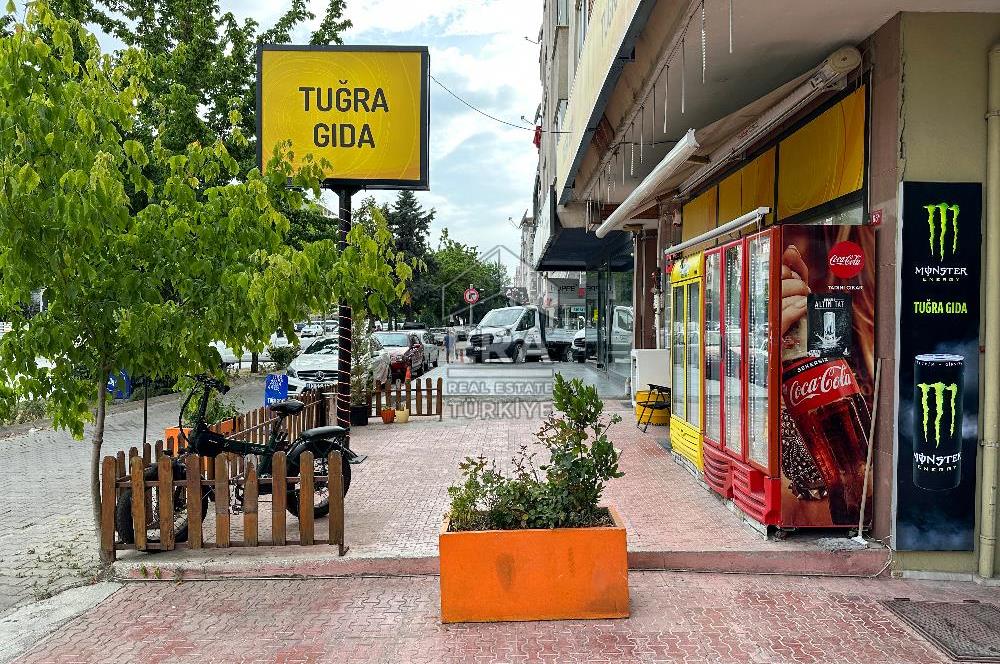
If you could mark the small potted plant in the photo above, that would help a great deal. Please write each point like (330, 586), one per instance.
(361, 371)
(535, 544)
(388, 415)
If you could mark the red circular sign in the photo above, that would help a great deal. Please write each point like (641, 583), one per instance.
(471, 296)
(846, 260)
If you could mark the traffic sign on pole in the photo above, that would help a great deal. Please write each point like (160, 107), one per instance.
(471, 295)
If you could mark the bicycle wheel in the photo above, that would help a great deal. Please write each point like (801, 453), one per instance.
(321, 492)
(123, 510)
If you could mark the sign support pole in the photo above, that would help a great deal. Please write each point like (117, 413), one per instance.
(344, 319)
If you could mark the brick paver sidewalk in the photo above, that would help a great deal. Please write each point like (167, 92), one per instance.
(398, 497)
(675, 617)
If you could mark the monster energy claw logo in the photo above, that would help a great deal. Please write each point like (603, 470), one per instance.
(939, 390)
(937, 222)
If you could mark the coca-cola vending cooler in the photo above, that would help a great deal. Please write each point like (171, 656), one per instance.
(788, 372)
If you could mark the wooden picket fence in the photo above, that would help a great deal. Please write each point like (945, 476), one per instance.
(426, 398)
(226, 472)
(127, 471)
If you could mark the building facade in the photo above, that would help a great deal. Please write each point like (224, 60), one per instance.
(803, 205)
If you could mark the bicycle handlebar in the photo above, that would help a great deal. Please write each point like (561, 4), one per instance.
(210, 383)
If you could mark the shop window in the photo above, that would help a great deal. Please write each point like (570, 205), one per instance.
(824, 159)
(852, 215)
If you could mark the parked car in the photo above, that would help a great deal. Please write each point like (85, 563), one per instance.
(406, 351)
(514, 332)
(312, 330)
(585, 344)
(330, 326)
(317, 365)
(439, 334)
(229, 357)
(432, 351)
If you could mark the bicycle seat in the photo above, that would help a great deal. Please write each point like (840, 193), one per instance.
(287, 407)
(321, 433)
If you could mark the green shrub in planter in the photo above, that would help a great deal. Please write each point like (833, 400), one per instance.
(564, 492)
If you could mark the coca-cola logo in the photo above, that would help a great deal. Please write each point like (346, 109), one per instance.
(846, 260)
(835, 379)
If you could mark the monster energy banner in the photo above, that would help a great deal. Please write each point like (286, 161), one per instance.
(938, 366)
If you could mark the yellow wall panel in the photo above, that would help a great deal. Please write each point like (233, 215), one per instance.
(748, 188)
(824, 159)
(699, 215)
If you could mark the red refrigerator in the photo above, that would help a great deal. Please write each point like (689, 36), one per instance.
(788, 372)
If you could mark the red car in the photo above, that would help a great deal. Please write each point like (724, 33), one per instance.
(406, 351)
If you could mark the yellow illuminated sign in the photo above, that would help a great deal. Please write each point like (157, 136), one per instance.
(364, 109)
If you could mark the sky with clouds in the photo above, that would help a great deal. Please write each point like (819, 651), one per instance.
(482, 172)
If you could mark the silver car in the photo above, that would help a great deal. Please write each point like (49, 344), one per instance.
(317, 365)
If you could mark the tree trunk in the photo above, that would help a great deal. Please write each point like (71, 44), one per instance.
(254, 363)
(95, 461)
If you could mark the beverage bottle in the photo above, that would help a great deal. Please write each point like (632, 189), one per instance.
(824, 400)
(938, 381)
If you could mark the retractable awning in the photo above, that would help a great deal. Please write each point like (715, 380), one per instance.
(661, 179)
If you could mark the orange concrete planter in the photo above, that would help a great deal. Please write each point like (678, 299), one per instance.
(559, 574)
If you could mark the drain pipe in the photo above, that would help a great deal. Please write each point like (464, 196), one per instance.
(991, 382)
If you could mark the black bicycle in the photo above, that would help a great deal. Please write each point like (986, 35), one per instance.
(205, 442)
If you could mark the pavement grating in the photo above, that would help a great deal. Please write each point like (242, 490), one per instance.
(967, 631)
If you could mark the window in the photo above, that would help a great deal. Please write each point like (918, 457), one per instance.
(582, 16)
(562, 12)
(624, 320)
(560, 113)
(322, 347)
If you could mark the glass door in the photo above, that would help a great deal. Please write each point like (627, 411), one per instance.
(678, 398)
(712, 336)
(693, 347)
(759, 350)
(733, 347)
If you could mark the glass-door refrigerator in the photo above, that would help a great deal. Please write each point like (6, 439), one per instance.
(717, 466)
(686, 358)
(796, 318)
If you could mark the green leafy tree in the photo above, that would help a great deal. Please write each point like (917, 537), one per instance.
(410, 225)
(456, 265)
(142, 289)
(202, 70)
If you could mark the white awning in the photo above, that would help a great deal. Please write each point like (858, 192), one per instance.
(644, 193)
